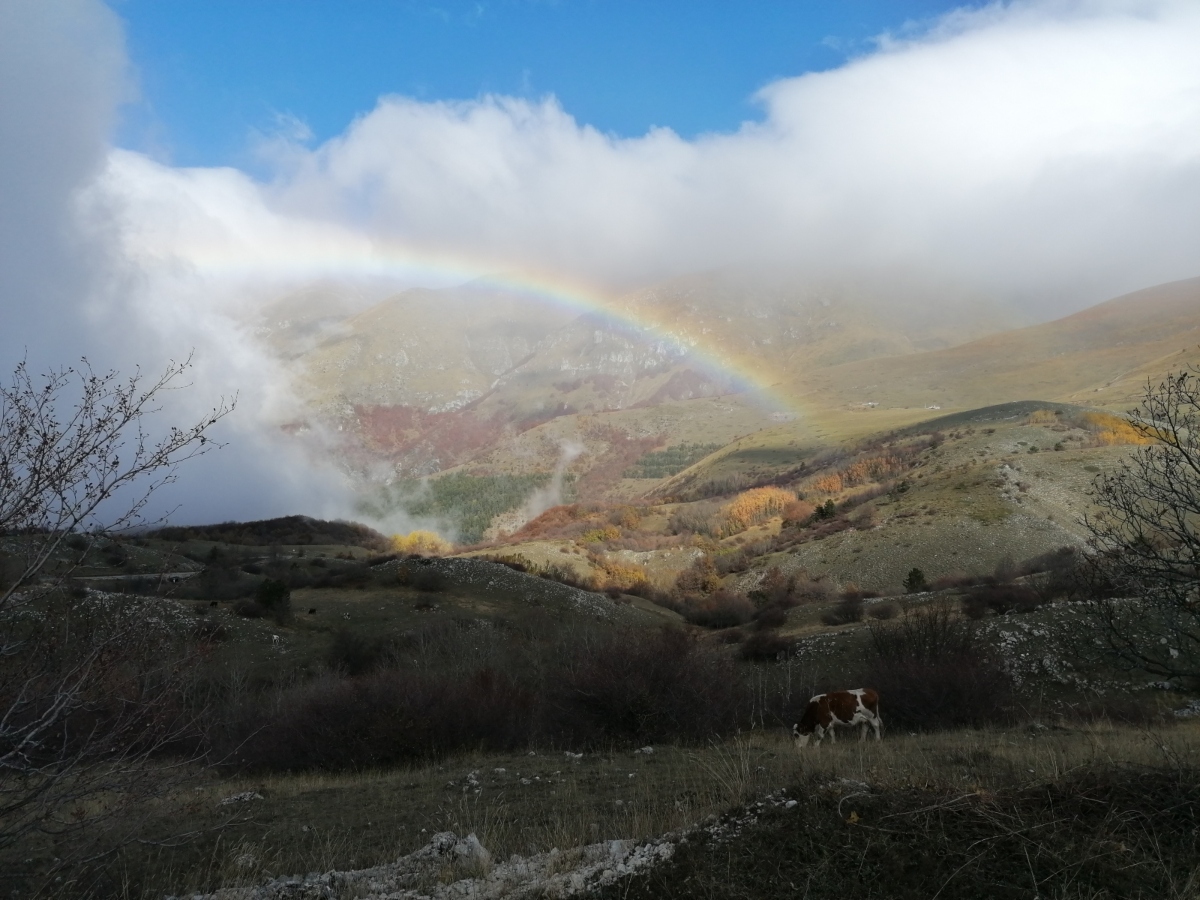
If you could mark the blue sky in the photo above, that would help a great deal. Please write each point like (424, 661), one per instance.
(213, 73)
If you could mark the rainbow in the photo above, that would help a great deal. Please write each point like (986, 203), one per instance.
(373, 261)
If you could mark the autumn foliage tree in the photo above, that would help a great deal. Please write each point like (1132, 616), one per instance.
(863, 471)
(1109, 430)
(754, 506)
(425, 543)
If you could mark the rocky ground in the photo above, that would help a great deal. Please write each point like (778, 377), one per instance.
(451, 867)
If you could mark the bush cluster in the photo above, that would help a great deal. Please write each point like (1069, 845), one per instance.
(938, 671)
(1000, 599)
(589, 689)
(848, 611)
(765, 646)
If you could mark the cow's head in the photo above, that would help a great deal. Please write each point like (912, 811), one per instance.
(813, 722)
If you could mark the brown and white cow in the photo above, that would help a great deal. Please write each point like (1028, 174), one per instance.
(846, 708)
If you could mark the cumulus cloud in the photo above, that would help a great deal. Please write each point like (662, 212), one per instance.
(1050, 149)
(62, 73)
(78, 276)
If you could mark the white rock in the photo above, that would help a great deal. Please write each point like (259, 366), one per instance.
(243, 797)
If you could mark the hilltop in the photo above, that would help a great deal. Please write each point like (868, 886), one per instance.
(297, 530)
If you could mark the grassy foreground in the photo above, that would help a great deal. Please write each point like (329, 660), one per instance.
(1095, 813)
(1095, 810)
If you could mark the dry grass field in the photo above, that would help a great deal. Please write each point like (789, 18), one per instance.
(537, 801)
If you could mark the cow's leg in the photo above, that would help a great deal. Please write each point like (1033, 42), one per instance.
(862, 731)
(832, 734)
(875, 723)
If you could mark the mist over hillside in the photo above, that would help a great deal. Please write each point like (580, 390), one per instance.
(494, 382)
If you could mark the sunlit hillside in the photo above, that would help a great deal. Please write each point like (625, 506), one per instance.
(1101, 356)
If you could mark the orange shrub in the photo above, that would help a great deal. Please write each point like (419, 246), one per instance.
(856, 473)
(1042, 417)
(1110, 430)
(553, 519)
(828, 484)
(875, 468)
(755, 506)
(626, 517)
(620, 575)
(701, 577)
(596, 535)
(424, 542)
(798, 511)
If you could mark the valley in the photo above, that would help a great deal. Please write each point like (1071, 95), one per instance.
(623, 575)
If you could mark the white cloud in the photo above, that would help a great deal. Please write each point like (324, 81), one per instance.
(62, 73)
(1043, 149)
(81, 273)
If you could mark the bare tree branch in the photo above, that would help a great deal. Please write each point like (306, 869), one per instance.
(62, 472)
(1145, 539)
(93, 687)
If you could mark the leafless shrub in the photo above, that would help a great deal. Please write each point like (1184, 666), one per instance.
(354, 654)
(883, 611)
(1055, 574)
(1000, 599)
(658, 686)
(94, 696)
(1145, 538)
(770, 617)
(699, 578)
(938, 670)
(593, 688)
(428, 579)
(854, 592)
(786, 591)
(766, 645)
(956, 580)
(722, 609)
(1006, 570)
(848, 611)
(59, 466)
(88, 693)
(697, 518)
(249, 609)
(741, 559)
